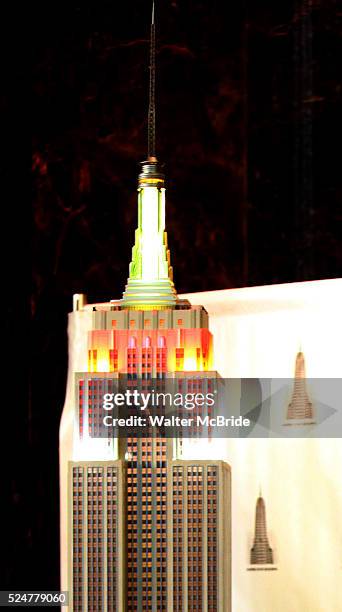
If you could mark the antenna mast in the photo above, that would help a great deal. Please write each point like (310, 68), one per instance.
(151, 148)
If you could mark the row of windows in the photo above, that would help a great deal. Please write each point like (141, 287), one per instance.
(146, 360)
(147, 323)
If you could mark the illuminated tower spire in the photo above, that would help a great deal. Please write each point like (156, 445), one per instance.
(261, 552)
(300, 410)
(150, 283)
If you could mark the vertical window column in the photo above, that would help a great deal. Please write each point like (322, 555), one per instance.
(95, 538)
(177, 491)
(112, 538)
(212, 538)
(195, 522)
(77, 537)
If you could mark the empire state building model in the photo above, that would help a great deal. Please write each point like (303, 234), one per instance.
(142, 529)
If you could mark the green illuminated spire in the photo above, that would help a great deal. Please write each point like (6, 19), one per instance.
(150, 283)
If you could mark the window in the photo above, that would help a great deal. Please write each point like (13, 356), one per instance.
(147, 342)
(179, 359)
(161, 342)
(113, 360)
(132, 343)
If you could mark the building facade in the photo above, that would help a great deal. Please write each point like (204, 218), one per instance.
(144, 529)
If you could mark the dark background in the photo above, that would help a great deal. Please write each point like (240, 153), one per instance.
(247, 117)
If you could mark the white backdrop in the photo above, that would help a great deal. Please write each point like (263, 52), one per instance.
(257, 333)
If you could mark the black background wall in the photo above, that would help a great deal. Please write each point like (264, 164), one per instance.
(247, 94)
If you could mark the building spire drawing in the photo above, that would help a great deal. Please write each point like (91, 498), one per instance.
(300, 409)
(150, 283)
(261, 555)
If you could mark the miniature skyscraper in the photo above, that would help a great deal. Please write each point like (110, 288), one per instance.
(141, 528)
(300, 410)
(261, 556)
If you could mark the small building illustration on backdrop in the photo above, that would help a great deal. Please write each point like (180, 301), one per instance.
(300, 409)
(261, 554)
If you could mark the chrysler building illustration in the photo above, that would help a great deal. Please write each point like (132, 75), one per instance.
(142, 529)
(300, 410)
(261, 555)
